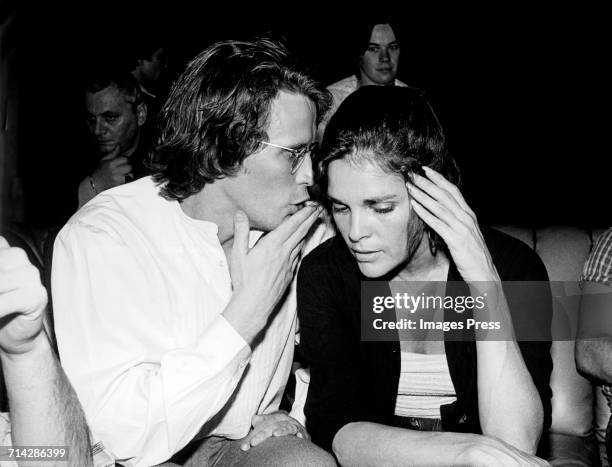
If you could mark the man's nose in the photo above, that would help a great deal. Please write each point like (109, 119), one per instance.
(99, 128)
(358, 228)
(383, 55)
(304, 174)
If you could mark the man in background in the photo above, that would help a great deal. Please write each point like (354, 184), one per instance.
(376, 51)
(116, 115)
(594, 342)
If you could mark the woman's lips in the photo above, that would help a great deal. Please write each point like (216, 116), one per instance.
(364, 255)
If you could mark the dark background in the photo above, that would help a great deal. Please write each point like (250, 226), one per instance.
(518, 89)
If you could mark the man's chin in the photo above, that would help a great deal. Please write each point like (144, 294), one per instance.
(106, 149)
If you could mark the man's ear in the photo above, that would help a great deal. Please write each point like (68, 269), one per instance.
(141, 113)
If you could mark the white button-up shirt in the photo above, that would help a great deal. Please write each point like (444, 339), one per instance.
(138, 292)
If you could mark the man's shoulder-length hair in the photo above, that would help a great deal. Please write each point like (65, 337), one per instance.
(218, 111)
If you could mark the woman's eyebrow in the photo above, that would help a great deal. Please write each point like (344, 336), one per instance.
(334, 200)
(367, 201)
(379, 199)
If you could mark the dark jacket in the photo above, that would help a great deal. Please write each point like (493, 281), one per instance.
(353, 380)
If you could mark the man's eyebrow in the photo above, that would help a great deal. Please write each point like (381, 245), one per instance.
(378, 44)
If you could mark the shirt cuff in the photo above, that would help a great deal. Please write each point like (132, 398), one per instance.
(219, 344)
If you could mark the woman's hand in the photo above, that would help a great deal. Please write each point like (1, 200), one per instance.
(441, 206)
(492, 452)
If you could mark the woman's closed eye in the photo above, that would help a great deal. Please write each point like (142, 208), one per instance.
(339, 208)
(383, 208)
(377, 208)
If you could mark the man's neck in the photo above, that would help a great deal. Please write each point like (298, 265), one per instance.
(211, 205)
(366, 82)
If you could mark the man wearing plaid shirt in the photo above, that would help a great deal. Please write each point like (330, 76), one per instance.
(594, 343)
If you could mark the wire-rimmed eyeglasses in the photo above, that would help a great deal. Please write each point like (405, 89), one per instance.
(297, 155)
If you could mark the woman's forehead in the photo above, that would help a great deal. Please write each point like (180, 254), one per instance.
(361, 179)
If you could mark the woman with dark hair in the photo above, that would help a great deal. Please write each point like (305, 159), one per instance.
(462, 397)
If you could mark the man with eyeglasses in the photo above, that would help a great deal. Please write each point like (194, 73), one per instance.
(173, 295)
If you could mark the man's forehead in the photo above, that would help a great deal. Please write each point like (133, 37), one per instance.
(292, 117)
(108, 99)
(382, 34)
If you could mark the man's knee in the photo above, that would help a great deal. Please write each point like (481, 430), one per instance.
(292, 451)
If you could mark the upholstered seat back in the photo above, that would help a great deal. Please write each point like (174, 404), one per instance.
(578, 407)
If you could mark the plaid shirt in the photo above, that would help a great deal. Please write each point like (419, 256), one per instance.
(598, 268)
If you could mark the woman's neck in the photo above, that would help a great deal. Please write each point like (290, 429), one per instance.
(424, 266)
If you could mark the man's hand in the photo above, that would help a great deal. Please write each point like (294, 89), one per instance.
(260, 275)
(22, 301)
(275, 424)
(112, 171)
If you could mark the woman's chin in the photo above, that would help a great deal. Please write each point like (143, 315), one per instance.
(373, 270)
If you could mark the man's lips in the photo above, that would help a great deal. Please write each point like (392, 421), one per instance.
(295, 207)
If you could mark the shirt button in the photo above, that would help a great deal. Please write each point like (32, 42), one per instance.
(243, 364)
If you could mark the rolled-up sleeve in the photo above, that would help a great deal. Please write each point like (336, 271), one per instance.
(145, 395)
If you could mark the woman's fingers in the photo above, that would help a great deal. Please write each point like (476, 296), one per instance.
(455, 209)
(433, 205)
(441, 181)
(431, 220)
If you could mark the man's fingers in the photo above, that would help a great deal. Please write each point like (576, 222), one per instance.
(302, 230)
(294, 256)
(123, 169)
(287, 428)
(23, 300)
(12, 258)
(291, 224)
(240, 247)
(110, 156)
(118, 161)
(25, 277)
(257, 436)
(262, 435)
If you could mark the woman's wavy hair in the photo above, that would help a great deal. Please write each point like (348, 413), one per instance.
(394, 128)
(218, 111)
